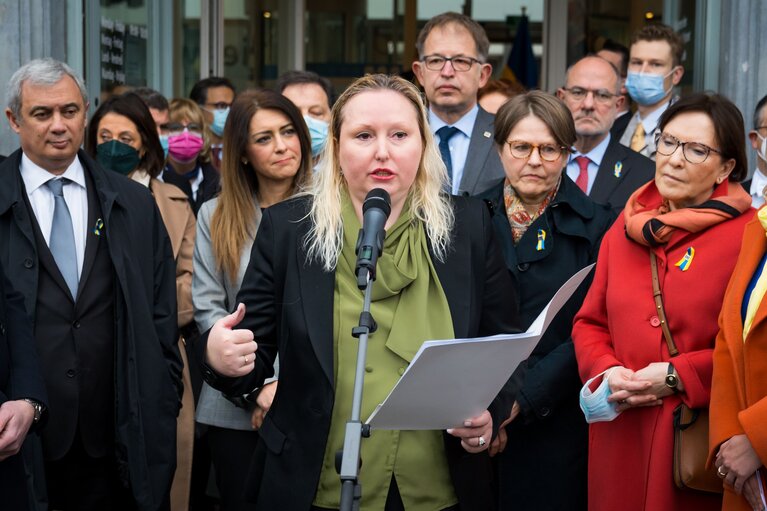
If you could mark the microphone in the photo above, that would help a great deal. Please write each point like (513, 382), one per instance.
(375, 212)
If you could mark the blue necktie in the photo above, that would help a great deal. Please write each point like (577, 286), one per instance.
(62, 242)
(445, 134)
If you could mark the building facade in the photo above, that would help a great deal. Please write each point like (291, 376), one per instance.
(170, 44)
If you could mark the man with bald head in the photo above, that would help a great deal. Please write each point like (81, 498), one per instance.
(605, 170)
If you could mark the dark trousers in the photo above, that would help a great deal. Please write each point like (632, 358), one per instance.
(79, 482)
(231, 451)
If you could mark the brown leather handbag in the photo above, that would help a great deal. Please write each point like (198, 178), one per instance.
(690, 425)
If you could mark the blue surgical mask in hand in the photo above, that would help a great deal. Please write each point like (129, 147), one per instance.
(595, 406)
(318, 131)
(646, 89)
(219, 121)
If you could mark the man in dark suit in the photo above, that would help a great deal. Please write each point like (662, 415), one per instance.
(452, 53)
(89, 251)
(22, 393)
(604, 169)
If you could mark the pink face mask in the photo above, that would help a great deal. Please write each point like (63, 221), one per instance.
(185, 147)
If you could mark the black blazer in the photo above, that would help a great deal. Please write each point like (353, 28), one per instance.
(290, 310)
(635, 171)
(550, 436)
(20, 377)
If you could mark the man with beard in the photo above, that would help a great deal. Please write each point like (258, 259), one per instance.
(603, 168)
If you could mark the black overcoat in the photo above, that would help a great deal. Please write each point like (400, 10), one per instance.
(147, 361)
(544, 464)
(20, 377)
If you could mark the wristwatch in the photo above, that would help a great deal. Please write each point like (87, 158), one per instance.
(672, 380)
(38, 409)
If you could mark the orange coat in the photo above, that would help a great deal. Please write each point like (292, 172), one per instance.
(739, 384)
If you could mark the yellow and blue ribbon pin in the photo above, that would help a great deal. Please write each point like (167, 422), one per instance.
(685, 262)
(541, 240)
(97, 228)
(618, 169)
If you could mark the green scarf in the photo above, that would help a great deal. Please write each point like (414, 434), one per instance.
(410, 307)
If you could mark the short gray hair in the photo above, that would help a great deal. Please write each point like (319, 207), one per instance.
(45, 71)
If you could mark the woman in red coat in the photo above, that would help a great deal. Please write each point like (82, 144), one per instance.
(691, 217)
(738, 419)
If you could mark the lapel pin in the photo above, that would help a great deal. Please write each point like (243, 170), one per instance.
(97, 228)
(541, 240)
(487, 134)
(685, 262)
(618, 169)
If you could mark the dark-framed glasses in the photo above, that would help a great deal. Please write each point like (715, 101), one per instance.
(437, 62)
(601, 96)
(522, 150)
(694, 152)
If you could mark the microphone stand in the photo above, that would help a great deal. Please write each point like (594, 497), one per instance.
(350, 462)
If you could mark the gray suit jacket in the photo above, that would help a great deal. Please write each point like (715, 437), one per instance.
(214, 296)
(483, 166)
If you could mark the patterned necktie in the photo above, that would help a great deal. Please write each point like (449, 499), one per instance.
(582, 181)
(445, 134)
(62, 241)
(638, 138)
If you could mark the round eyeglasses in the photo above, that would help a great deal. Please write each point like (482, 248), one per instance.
(694, 152)
(522, 150)
(437, 62)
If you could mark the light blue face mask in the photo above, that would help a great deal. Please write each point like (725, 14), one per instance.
(318, 131)
(646, 89)
(595, 406)
(164, 144)
(219, 121)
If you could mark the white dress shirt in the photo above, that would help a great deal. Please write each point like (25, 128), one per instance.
(459, 143)
(42, 201)
(595, 156)
(758, 182)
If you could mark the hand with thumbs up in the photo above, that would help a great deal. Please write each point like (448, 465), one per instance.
(231, 352)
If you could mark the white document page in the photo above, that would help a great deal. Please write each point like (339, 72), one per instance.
(450, 381)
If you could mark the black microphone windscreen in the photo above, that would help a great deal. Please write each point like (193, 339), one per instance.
(377, 198)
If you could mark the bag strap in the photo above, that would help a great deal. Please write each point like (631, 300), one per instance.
(658, 296)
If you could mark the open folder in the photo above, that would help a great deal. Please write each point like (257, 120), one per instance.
(450, 381)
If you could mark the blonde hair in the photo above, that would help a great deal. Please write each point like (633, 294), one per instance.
(237, 213)
(428, 203)
(182, 108)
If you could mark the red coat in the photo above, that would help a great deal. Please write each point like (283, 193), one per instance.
(739, 387)
(630, 458)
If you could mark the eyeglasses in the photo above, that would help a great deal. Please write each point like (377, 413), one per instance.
(694, 152)
(522, 150)
(579, 94)
(437, 62)
(176, 128)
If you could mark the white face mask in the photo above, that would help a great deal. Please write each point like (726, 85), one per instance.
(762, 152)
(595, 406)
